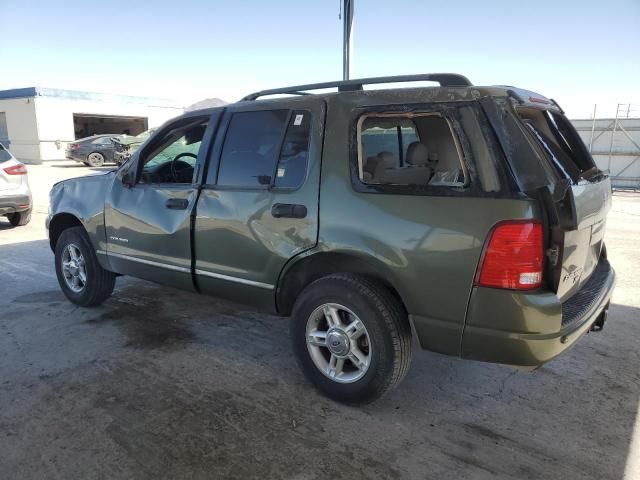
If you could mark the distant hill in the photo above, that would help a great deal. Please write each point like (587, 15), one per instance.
(206, 103)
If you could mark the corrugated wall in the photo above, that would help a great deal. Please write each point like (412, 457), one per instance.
(615, 146)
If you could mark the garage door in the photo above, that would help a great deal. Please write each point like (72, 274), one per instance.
(85, 125)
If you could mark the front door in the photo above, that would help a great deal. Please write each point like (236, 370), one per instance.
(259, 205)
(148, 225)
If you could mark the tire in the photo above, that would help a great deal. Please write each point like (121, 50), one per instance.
(98, 284)
(384, 355)
(19, 219)
(95, 159)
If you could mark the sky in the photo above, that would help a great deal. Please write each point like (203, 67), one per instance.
(579, 52)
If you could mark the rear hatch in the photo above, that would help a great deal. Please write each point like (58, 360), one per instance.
(550, 162)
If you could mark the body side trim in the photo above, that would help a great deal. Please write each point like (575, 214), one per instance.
(147, 262)
(235, 279)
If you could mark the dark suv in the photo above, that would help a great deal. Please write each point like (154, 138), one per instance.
(470, 218)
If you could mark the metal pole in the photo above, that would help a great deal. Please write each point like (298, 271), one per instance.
(347, 19)
(613, 132)
(593, 126)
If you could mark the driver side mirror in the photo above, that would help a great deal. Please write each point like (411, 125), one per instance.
(127, 172)
(127, 178)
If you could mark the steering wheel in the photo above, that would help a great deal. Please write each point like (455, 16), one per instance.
(178, 167)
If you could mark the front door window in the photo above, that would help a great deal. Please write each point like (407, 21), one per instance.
(172, 158)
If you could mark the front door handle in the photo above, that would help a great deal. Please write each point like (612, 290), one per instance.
(288, 210)
(177, 203)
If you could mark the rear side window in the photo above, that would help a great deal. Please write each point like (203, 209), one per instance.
(265, 148)
(420, 149)
(393, 136)
(294, 155)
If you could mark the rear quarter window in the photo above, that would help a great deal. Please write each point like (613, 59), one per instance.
(419, 149)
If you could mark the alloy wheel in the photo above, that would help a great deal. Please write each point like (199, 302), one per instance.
(338, 343)
(74, 269)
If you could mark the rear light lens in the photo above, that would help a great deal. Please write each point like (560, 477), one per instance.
(513, 257)
(19, 169)
(73, 146)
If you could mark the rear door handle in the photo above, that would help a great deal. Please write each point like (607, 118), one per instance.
(288, 210)
(177, 203)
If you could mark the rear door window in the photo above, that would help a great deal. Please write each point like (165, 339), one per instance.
(251, 148)
(264, 149)
(294, 155)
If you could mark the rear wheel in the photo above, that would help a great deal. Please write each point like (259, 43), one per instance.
(19, 219)
(351, 337)
(95, 159)
(80, 275)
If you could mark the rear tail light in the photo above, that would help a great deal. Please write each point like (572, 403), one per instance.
(19, 169)
(513, 257)
(73, 146)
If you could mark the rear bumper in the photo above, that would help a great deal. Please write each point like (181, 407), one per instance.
(528, 330)
(14, 203)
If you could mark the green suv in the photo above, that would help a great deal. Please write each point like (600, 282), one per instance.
(469, 219)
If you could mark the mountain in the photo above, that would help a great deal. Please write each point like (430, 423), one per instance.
(206, 103)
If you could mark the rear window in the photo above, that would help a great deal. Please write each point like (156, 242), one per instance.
(555, 136)
(4, 154)
(416, 149)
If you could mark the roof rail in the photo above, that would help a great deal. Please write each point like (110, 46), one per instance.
(444, 79)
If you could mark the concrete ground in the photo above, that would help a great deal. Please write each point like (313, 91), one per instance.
(158, 383)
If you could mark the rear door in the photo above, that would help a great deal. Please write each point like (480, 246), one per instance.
(259, 205)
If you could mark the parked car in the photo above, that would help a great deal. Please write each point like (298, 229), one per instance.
(93, 151)
(15, 195)
(472, 218)
(125, 146)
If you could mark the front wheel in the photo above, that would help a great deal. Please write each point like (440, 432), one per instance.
(351, 337)
(80, 275)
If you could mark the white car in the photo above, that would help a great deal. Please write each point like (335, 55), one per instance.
(15, 195)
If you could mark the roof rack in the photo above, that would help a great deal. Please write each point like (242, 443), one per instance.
(444, 79)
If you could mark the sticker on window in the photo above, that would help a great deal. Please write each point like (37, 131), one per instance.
(298, 119)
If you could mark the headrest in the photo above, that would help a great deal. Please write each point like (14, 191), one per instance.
(386, 160)
(194, 134)
(417, 154)
(371, 164)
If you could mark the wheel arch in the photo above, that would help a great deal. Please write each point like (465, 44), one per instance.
(59, 223)
(308, 268)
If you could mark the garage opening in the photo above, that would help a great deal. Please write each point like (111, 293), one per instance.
(85, 125)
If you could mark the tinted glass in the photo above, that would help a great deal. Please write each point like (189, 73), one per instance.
(292, 165)
(4, 154)
(251, 147)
